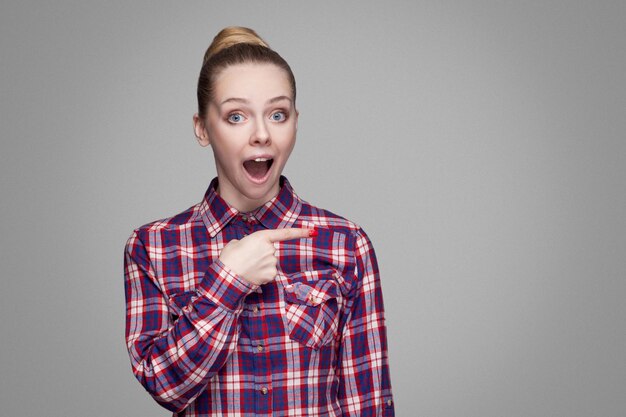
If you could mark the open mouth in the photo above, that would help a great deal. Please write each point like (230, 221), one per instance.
(258, 168)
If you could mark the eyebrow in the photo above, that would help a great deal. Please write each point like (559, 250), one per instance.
(243, 100)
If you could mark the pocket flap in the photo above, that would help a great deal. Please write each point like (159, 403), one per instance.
(312, 294)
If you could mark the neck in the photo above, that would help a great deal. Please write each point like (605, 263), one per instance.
(241, 202)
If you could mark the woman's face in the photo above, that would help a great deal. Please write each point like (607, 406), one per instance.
(251, 125)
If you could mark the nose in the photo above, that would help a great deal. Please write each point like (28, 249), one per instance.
(261, 135)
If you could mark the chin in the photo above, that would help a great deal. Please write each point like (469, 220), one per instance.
(254, 191)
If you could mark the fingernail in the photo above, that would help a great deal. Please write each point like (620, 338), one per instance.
(313, 232)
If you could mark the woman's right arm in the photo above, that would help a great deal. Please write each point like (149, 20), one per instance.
(175, 360)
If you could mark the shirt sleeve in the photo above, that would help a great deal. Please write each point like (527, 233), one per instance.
(364, 381)
(174, 359)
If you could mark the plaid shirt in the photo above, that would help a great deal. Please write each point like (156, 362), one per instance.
(205, 342)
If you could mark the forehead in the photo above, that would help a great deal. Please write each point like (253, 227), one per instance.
(251, 82)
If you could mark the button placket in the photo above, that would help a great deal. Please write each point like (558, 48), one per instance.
(248, 224)
(259, 349)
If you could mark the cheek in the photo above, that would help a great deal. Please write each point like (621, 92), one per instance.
(230, 139)
(227, 154)
(287, 135)
(286, 145)
(224, 150)
(292, 140)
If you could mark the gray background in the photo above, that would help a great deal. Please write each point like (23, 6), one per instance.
(480, 144)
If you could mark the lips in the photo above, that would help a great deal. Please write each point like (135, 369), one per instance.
(258, 167)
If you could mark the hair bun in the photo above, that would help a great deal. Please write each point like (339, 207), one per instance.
(235, 45)
(230, 36)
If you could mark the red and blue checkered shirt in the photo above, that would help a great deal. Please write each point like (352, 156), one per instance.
(205, 342)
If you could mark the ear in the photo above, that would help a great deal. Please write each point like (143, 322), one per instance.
(200, 131)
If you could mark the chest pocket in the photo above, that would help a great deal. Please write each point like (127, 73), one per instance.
(313, 303)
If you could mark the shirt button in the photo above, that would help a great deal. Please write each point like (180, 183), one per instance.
(259, 348)
(389, 402)
(255, 309)
(244, 217)
(264, 390)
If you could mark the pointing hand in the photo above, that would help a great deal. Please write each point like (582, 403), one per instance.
(253, 257)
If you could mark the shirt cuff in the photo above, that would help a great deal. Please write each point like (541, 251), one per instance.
(224, 287)
(388, 409)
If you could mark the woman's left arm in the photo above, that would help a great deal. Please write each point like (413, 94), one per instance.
(364, 381)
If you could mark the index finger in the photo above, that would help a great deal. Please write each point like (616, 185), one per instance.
(278, 235)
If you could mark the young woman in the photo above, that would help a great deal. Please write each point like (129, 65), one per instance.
(255, 302)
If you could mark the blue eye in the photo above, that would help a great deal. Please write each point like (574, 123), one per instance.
(235, 118)
(279, 116)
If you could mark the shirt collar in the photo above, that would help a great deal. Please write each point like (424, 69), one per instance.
(280, 212)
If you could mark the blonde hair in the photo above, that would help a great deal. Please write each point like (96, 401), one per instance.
(230, 36)
(232, 46)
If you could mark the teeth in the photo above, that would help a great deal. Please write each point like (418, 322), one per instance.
(261, 159)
